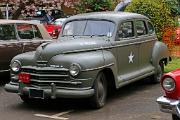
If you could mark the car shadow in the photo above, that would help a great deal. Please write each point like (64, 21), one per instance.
(82, 105)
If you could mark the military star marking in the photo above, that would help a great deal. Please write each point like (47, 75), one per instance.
(131, 56)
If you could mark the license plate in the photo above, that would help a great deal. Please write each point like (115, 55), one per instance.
(34, 93)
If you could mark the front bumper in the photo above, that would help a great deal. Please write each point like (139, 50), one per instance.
(51, 92)
(169, 105)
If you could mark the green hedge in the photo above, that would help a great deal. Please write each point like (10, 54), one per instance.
(84, 6)
(157, 10)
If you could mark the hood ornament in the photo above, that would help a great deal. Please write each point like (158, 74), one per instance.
(44, 45)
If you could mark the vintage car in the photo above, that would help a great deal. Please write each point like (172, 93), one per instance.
(95, 53)
(53, 30)
(170, 102)
(17, 36)
(55, 27)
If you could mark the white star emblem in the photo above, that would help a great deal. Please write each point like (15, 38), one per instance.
(131, 56)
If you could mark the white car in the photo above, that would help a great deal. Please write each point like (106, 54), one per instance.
(59, 21)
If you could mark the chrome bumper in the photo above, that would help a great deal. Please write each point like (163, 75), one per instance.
(169, 105)
(51, 92)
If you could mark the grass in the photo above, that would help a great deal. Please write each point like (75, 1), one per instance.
(174, 64)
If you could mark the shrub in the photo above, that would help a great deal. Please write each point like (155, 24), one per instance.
(157, 11)
(84, 6)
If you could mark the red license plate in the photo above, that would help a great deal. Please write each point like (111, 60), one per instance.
(24, 77)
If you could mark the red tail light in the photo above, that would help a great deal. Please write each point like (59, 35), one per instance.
(24, 77)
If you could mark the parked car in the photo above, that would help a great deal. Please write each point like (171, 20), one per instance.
(169, 102)
(17, 36)
(59, 21)
(53, 29)
(177, 36)
(94, 53)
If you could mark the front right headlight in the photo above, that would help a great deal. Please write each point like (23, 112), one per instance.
(168, 84)
(15, 66)
(74, 69)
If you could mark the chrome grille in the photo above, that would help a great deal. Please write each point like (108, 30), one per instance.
(42, 63)
(44, 76)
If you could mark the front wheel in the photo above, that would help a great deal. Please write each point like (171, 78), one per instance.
(100, 88)
(175, 117)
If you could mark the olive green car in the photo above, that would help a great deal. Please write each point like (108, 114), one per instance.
(95, 52)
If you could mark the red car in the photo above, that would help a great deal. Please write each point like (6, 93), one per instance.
(170, 102)
(53, 30)
(177, 37)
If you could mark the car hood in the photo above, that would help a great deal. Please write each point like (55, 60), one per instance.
(70, 45)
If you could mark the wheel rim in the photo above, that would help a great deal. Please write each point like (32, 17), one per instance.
(160, 73)
(101, 90)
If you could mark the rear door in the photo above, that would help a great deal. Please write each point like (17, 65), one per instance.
(30, 36)
(147, 38)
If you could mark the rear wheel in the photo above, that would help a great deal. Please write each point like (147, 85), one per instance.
(175, 117)
(160, 70)
(100, 87)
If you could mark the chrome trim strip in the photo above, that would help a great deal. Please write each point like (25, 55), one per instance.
(4, 70)
(47, 75)
(44, 68)
(109, 47)
(97, 68)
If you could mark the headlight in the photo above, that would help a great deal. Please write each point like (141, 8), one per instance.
(16, 66)
(168, 84)
(74, 69)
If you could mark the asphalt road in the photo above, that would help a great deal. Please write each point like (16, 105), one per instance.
(133, 102)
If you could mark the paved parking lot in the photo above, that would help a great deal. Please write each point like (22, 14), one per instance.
(133, 102)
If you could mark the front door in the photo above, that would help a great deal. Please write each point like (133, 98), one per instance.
(127, 48)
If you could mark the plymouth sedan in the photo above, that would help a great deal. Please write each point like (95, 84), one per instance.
(17, 37)
(96, 52)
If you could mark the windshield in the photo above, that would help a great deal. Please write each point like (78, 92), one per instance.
(89, 28)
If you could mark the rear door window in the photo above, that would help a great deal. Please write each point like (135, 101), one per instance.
(28, 31)
(140, 27)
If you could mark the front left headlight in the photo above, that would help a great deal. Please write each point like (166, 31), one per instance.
(74, 70)
(16, 66)
(168, 84)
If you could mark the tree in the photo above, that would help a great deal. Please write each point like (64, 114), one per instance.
(157, 11)
(84, 6)
(174, 6)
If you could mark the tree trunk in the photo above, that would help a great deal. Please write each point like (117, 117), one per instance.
(17, 13)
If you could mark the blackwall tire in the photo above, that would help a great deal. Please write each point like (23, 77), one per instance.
(100, 87)
(26, 99)
(175, 117)
(157, 77)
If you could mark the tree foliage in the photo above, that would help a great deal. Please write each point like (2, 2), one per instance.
(157, 11)
(174, 6)
(84, 6)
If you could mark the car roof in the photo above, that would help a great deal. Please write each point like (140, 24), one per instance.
(111, 15)
(4, 21)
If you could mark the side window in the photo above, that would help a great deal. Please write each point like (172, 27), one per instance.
(25, 31)
(7, 32)
(126, 30)
(140, 28)
(37, 33)
(151, 28)
(28, 31)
